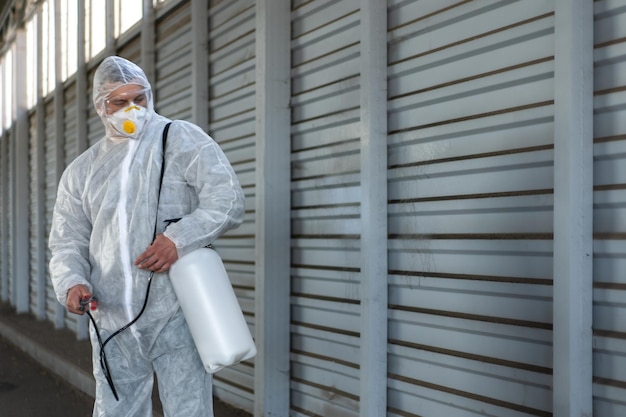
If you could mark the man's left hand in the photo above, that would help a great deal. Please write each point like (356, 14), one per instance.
(159, 256)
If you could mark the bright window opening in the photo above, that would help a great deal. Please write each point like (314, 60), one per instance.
(7, 91)
(31, 62)
(69, 38)
(48, 52)
(127, 13)
(95, 27)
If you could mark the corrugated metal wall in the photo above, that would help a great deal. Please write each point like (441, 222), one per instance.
(50, 146)
(470, 208)
(172, 86)
(37, 290)
(325, 208)
(231, 46)
(95, 128)
(609, 324)
(8, 197)
(5, 212)
(70, 152)
(470, 187)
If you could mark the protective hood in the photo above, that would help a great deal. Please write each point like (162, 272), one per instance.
(113, 73)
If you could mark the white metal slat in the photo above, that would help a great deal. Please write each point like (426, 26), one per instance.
(173, 64)
(528, 86)
(51, 189)
(131, 47)
(71, 123)
(232, 76)
(525, 129)
(525, 302)
(609, 363)
(324, 372)
(476, 379)
(418, 35)
(458, 203)
(487, 216)
(510, 173)
(428, 400)
(4, 212)
(70, 148)
(336, 67)
(232, 119)
(609, 216)
(95, 127)
(513, 258)
(231, 122)
(10, 138)
(323, 101)
(308, 338)
(307, 400)
(232, 36)
(325, 166)
(331, 130)
(35, 289)
(326, 192)
(486, 342)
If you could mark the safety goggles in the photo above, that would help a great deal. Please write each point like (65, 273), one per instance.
(124, 100)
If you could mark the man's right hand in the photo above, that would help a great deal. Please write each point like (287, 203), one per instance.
(74, 295)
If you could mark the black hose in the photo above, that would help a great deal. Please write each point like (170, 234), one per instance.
(103, 358)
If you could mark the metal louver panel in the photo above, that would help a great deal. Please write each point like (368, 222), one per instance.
(609, 328)
(51, 189)
(37, 291)
(470, 208)
(325, 208)
(71, 123)
(173, 64)
(70, 152)
(232, 124)
(4, 216)
(131, 48)
(10, 195)
(95, 127)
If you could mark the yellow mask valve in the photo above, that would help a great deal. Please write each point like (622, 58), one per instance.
(129, 127)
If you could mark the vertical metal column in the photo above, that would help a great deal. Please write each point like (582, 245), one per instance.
(4, 201)
(21, 214)
(573, 198)
(59, 130)
(272, 308)
(82, 93)
(82, 103)
(148, 42)
(5, 188)
(42, 265)
(110, 27)
(200, 63)
(373, 208)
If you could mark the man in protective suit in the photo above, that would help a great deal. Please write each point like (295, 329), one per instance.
(102, 245)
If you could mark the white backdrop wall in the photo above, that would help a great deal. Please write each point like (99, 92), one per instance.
(468, 197)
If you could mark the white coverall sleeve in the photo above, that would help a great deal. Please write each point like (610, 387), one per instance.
(220, 197)
(69, 241)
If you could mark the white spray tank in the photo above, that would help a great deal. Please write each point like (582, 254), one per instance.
(210, 306)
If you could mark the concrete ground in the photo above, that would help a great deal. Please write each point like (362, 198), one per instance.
(44, 371)
(29, 390)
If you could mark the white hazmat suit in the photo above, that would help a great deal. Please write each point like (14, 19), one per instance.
(104, 218)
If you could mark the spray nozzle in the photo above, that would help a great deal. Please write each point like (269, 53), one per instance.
(92, 302)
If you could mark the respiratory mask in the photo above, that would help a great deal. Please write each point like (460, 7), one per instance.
(126, 112)
(130, 121)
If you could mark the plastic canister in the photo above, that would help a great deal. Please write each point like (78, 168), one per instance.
(210, 306)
